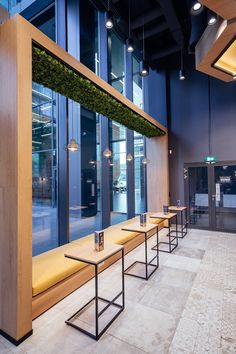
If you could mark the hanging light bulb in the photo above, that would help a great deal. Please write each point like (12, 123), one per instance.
(107, 153)
(144, 67)
(129, 41)
(182, 71)
(145, 161)
(73, 145)
(129, 157)
(130, 45)
(109, 17)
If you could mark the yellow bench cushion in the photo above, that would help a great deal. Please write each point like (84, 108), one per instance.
(51, 267)
(111, 234)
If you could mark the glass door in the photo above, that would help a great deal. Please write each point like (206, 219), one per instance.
(224, 198)
(197, 192)
(210, 193)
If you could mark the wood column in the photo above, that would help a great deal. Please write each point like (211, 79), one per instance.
(15, 182)
(157, 173)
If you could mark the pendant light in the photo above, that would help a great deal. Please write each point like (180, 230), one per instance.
(209, 159)
(107, 153)
(109, 17)
(129, 157)
(73, 145)
(129, 41)
(145, 161)
(182, 71)
(144, 67)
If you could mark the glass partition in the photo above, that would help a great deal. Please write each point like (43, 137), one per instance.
(118, 173)
(116, 62)
(137, 84)
(139, 174)
(44, 166)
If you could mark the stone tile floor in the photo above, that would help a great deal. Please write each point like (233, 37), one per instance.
(187, 306)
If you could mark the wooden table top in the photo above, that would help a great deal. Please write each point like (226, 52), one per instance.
(163, 216)
(181, 208)
(136, 227)
(86, 253)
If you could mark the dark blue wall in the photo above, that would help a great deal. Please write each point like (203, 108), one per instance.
(155, 96)
(188, 111)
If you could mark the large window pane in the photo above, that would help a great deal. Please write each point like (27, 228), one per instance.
(116, 62)
(45, 22)
(44, 166)
(89, 35)
(137, 84)
(118, 173)
(140, 174)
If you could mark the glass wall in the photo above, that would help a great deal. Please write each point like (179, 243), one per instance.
(118, 173)
(116, 62)
(84, 126)
(44, 155)
(139, 174)
(44, 165)
(137, 84)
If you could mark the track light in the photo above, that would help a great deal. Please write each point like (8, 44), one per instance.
(109, 20)
(211, 18)
(196, 8)
(130, 45)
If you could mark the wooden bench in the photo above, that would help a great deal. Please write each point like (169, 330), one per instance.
(55, 277)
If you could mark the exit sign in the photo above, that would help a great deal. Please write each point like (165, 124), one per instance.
(210, 159)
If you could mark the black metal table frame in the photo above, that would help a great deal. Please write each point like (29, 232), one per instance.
(171, 238)
(146, 263)
(184, 225)
(112, 302)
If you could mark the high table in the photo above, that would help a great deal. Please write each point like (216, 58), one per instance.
(184, 221)
(135, 227)
(88, 255)
(168, 217)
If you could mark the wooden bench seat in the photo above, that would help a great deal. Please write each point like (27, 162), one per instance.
(55, 277)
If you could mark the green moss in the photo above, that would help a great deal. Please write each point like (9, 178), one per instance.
(55, 75)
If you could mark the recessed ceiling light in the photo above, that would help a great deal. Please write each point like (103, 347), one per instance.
(196, 8)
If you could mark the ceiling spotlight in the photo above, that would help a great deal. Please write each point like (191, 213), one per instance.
(109, 20)
(196, 8)
(211, 18)
(130, 45)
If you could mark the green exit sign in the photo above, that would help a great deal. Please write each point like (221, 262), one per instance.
(210, 159)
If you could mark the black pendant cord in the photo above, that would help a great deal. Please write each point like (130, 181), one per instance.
(143, 45)
(182, 60)
(108, 5)
(209, 115)
(129, 20)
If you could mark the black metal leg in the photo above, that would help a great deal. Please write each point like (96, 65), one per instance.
(96, 301)
(157, 248)
(146, 259)
(123, 278)
(97, 334)
(176, 229)
(169, 235)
